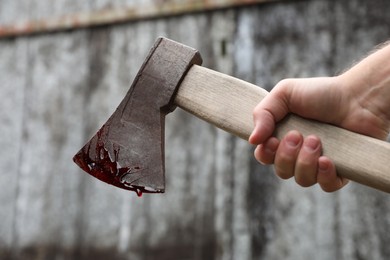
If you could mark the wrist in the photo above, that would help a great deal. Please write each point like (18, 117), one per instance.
(366, 88)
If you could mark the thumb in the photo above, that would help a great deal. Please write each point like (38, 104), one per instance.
(264, 125)
(273, 108)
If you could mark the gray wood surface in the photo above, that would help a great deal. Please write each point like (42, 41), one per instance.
(58, 89)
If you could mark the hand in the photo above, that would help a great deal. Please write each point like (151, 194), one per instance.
(358, 100)
(294, 155)
(360, 108)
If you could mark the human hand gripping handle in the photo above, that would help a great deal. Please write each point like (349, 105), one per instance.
(357, 100)
(294, 155)
(228, 103)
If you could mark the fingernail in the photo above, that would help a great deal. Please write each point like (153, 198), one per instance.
(311, 143)
(293, 139)
(323, 167)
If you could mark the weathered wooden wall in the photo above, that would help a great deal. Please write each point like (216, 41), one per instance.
(57, 89)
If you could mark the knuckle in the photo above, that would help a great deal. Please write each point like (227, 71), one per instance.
(306, 174)
(284, 84)
(282, 173)
(306, 167)
(288, 155)
(305, 182)
(256, 111)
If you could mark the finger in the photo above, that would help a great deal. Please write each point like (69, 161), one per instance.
(270, 110)
(307, 162)
(264, 126)
(265, 153)
(327, 176)
(287, 154)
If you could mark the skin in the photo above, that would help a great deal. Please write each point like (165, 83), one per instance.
(357, 100)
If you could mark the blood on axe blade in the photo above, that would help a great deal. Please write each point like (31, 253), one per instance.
(128, 150)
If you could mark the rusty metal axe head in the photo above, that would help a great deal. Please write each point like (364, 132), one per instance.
(128, 150)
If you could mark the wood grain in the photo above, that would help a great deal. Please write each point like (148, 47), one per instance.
(58, 89)
(228, 102)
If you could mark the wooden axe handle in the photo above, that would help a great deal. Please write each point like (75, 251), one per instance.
(228, 103)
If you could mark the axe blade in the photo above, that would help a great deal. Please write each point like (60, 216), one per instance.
(128, 150)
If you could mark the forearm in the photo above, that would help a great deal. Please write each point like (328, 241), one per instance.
(374, 70)
(368, 86)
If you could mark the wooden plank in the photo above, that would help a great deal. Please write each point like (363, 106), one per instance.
(109, 16)
(13, 63)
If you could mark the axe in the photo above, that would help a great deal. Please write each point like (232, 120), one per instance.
(128, 150)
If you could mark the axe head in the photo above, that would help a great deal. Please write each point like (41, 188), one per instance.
(128, 150)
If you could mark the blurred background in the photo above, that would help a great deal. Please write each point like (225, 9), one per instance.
(64, 67)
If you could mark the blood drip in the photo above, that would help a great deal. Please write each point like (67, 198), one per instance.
(106, 168)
